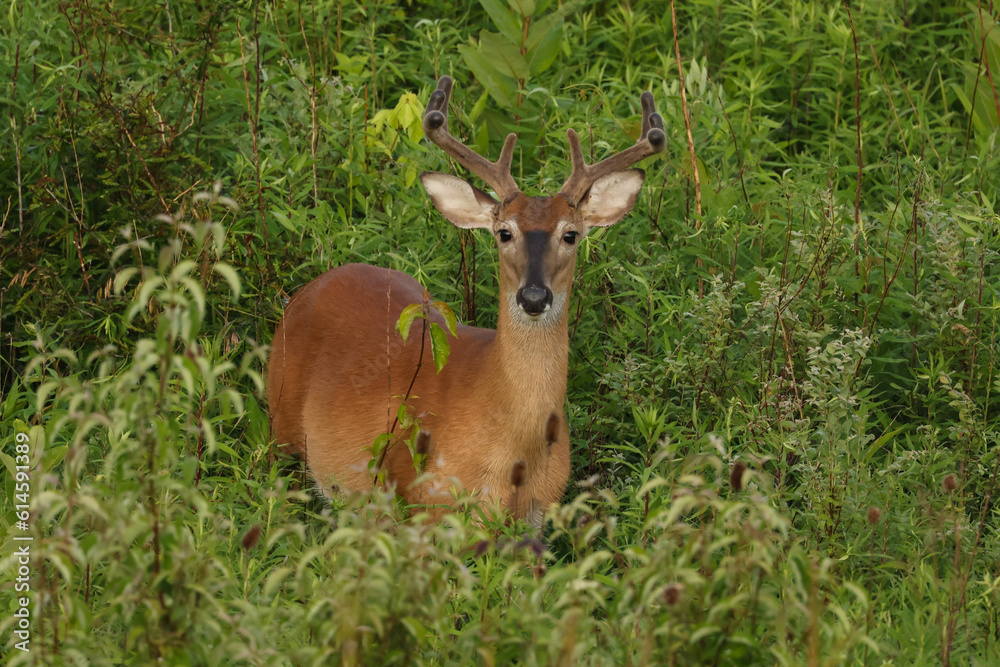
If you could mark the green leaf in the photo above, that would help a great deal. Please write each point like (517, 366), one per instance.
(449, 316)
(543, 26)
(962, 97)
(275, 580)
(197, 293)
(377, 448)
(410, 112)
(229, 273)
(53, 457)
(504, 55)
(502, 89)
(257, 422)
(478, 107)
(542, 53)
(878, 444)
(703, 632)
(123, 277)
(284, 220)
(524, 7)
(439, 346)
(14, 394)
(353, 65)
(410, 313)
(703, 174)
(145, 293)
(182, 270)
(505, 22)
(415, 627)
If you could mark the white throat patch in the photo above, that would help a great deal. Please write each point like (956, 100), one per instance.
(546, 318)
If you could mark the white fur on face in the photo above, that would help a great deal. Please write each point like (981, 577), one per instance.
(546, 318)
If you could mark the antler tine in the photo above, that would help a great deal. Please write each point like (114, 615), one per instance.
(496, 174)
(651, 141)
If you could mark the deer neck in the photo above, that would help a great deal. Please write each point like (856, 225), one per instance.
(528, 362)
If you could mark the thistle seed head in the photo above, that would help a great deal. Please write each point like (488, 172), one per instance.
(950, 483)
(874, 515)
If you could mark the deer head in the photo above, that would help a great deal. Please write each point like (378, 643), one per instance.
(537, 237)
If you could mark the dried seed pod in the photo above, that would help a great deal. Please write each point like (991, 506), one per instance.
(672, 593)
(532, 544)
(481, 547)
(536, 546)
(874, 515)
(252, 537)
(736, 476)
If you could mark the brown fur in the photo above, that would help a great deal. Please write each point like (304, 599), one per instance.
(339, 369)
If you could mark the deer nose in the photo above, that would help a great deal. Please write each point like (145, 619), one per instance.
(534, 300)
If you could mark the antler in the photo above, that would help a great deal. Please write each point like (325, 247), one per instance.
(495, 174)
(652, 140)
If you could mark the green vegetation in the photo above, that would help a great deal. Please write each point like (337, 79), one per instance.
(783, 392)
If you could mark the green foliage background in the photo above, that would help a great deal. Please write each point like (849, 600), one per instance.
(781, 399)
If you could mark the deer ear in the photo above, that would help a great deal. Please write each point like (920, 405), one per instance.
(463, 205)
(611, 197)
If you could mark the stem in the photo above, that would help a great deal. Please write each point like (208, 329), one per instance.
(857, 126)
(687, 120)
(406, 397)
(254, 122)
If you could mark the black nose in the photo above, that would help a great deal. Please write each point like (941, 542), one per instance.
(534, 300)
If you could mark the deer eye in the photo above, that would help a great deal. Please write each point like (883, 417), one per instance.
(570, 237)
(505, 235)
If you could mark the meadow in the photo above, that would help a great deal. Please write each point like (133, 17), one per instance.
(782, 362)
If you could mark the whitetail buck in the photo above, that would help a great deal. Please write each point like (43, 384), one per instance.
(339, 370)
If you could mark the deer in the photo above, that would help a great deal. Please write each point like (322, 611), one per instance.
(339, 369)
